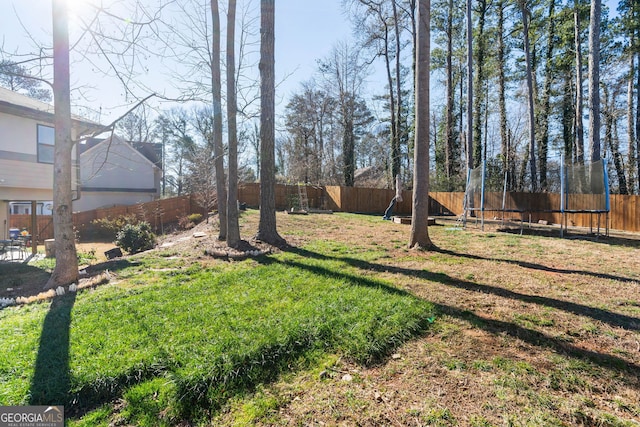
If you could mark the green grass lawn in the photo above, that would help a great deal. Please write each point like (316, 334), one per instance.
(176, 340)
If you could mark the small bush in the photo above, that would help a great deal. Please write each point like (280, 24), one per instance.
(189, 221)
(196, 218)
(184, 223)
(135, 238)
(108, 228)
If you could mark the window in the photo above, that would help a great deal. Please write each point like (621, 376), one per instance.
(46, 139)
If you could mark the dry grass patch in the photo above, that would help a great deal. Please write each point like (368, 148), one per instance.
(532, 330)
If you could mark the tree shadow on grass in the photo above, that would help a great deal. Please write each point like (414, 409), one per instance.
(51, 382)
(540, 267)
(539, 339)
(495, 326)
(574, 234)
(606, 316)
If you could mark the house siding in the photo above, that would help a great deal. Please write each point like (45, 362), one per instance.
(115, 173)
(21, 176)
(96, 200)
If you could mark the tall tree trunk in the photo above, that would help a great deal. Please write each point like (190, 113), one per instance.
(395, 140)
(543, 144)
(479, 86)
(348, 146)
(218, 146)
(267, 231)
(469, 85)
(530, 96)
(449, 141)
(579, 152)
(66, 269)
(594, 80)
(630, 125)
(398, 106)
(611, 137)
(568, 117)
(233, 227)
(502, 103)
(638, 117)
(420, 214)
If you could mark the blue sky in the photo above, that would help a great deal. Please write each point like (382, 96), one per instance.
(305, 32)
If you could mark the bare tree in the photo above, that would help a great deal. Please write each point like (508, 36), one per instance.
(420, 215)
(380, 25)
(345, 72)
(218, 146)
(233, 228)
(101, 46)
(18, 78)
(201, 180)
(136, 126)
(174, 126)
(66, 269)
(267, 231)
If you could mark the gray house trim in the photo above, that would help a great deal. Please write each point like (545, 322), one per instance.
(119, 190)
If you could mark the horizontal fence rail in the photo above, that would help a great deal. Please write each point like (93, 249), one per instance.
(623, 216)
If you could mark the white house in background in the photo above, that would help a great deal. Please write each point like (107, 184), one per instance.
(26, 151)
(24, 208)
(114, 172)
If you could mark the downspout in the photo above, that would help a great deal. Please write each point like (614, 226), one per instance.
(77, 168)
(34, 227)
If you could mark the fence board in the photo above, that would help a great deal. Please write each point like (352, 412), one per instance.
(623, 215)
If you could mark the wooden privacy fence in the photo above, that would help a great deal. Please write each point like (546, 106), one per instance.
(624, 213)
(157, 213)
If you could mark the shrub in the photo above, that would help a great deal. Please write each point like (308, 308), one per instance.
(189, 221)
(196, 218)
(108, 228)
(184, 223)
(135, 238)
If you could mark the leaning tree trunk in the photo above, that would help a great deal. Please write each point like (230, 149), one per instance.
(420, 215)
(218, 147)
(267, 231)
(233, 227)
(66, 269)
(594, 81)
